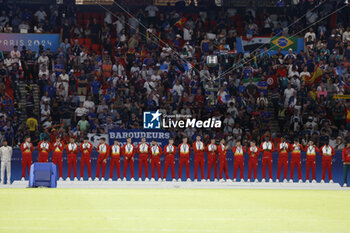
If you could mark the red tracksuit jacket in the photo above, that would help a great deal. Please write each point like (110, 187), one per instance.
(156, 151)
(346, 155)
(27, 149)
(103, 152)
(143, 149)
(211, 149)
(311, 151)
(58, 148)
(86, 149)
(222, 152)
(238, 151)
(72, 149)
(198, 148)
(296, 151)
(44, 148)
(253, 153)
(283, 148)
(327, 152)
(267, 148)
(115, 151)
(128, 150)
(184, 150)
(168, 152)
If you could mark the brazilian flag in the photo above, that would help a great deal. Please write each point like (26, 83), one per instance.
(284, 43)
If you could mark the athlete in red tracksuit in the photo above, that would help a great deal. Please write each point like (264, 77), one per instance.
(169, 152)
(296, 150)
(115, 152)
(72, 152)
(222, 151)
(57, 155)
(267, 148)
(283, 149)
(103, 152)
(86, 149)
(128, 152)
(184, 154)
(238, 160)
(198, 149)
(253, 153)
(327, 153)
(27, 149)
(44, 148)
(311, 151)
(212, 149)
(143, 149)
(156, 152)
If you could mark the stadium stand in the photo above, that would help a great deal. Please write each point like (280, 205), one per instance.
(109, 69)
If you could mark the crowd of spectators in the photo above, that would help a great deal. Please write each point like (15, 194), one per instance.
(88, 90)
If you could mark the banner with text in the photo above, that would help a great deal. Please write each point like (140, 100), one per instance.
(162, 136)
(32, 41)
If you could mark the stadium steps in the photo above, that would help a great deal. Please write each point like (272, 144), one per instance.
(24, 90)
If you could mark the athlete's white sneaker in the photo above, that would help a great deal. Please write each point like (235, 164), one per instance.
(256, 181)
(300, 181)
(147, 179)
(132, 179)
(331, 181)
(60, 179)
(248, 181)
(8, 182)
(2, 182)
(313, 181)
(189, 180)
(215, 180)
(119, 180)
(242, 181)
(110, 179)
(22, 179)
(307, 181)
(263, 181)
(322, 181)
(195, 180)
(124, 179)
(345, 185)
(285, 181)
(179, 180)
(68, 179)
(89, 179)
(152, 179)
(164, 180)
(96, 179)
(270, 180)
(75, 179)
(234, 180)
(173, 180)
(102, 179)
(290, 180)
(81, 178)
(277, 180)
(221, 180)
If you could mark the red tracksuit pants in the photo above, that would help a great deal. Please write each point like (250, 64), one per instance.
(115, 162)
(72, 161)
(253, 164)
(99, 163)
(223, 167)
(184, 161)
(282, 163)
(310, 162)
(169, 161)
(212, 161)
(128, 162)
(85, 160)
(238, 162)
(295, 162)
(26, 162)
(198, 161)
(57, 159)
(327, 165)
(155, 163)
(43, 157)
(143, 162)
(266, 161)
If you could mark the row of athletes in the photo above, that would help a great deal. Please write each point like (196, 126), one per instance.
(151, 154)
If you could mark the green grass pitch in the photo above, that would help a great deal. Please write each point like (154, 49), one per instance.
(173, 210)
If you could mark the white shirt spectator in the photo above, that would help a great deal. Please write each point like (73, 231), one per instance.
(40, 15)
(152, 10)
(312, 34)
(43, 60)
(187, 34)
(346, 36)
(178, 88)
(80, 111)
(89, 104)
(15, 55)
